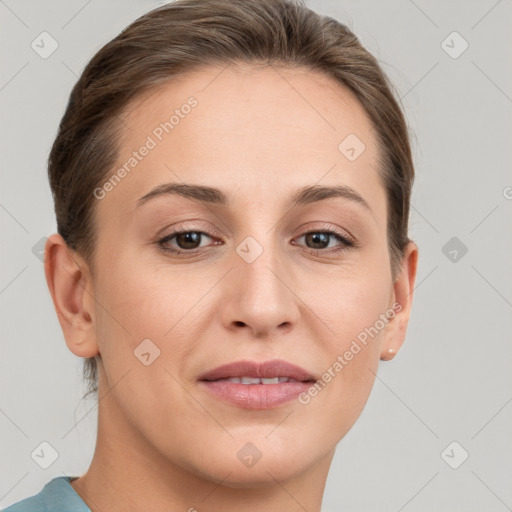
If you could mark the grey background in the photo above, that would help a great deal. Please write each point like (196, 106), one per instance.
(452, 381)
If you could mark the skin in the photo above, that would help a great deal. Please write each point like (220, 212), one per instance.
(257, 133)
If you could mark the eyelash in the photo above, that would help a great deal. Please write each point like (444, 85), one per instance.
(348, 243)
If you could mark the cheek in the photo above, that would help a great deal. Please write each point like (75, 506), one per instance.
(141, 302)
(351, 314)
(348, 303)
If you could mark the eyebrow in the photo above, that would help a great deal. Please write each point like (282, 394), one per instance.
(303, 196)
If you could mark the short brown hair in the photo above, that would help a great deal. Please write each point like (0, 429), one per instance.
(184, 35)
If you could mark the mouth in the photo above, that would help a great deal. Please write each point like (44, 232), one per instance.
(256, 380)
(253, 385)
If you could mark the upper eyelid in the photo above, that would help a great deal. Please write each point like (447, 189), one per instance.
(185, 228)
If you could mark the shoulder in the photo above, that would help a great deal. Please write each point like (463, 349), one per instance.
(32, 504)
(56, 496)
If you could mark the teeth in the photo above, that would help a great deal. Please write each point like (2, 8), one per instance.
(257, 380)
(249, 380)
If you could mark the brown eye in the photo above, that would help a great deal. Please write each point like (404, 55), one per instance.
(320, 240)
(317, 240)
(187, 241)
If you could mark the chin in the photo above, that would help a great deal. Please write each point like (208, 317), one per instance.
(257, 477)
(229, 468)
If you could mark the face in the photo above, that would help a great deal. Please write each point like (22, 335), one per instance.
(259, 273)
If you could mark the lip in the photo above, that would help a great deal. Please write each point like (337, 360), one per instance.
(265, 370)
(257, 396)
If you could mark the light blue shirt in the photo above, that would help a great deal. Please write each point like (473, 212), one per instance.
(56, 496)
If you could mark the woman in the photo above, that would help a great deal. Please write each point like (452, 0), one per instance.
(231, 183)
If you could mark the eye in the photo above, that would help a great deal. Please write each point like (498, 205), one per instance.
(187, 240)
(320, 240)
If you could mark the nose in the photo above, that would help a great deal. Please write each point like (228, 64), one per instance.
(259, 295)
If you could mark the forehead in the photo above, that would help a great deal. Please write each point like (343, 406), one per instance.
(304, 101)
(262, 130)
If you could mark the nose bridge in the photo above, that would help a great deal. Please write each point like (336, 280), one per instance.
(259, 297)
(259, 268)
(260, 251)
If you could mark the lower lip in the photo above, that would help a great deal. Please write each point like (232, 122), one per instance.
(256, 396)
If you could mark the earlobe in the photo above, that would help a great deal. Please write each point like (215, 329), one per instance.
(388, 354)
(68, 281)
(403, 291)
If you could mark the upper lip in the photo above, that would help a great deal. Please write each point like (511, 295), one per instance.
(265, 370)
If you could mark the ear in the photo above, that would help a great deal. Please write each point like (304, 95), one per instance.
(401, 302)
(70, 286)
